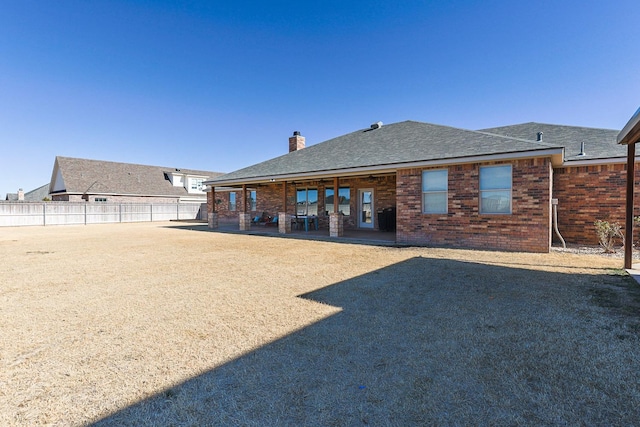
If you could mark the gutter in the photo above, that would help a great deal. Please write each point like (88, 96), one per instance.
(556, 155)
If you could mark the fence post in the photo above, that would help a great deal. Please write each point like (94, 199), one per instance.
(178, 211)
(120, 212)
(85, 213)
(44, 214)
(151, 206)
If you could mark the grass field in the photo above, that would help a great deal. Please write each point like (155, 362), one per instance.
(162, 324)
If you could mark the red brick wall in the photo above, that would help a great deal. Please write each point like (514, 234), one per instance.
(527, 228)
(585, 194)
(589, 193)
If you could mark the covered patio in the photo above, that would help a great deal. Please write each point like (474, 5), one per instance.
(375, 237)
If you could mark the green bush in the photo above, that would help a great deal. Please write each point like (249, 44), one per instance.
(607, 234)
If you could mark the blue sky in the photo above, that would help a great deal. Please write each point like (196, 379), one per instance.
(222, 85)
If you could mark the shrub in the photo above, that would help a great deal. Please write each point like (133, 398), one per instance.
(607, 234)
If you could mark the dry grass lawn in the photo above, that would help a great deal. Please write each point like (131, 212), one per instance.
(161, 324)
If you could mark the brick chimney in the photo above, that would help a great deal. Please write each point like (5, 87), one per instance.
(20, 195)
(296, 142)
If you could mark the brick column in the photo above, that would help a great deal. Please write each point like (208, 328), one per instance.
(284, 223)
(213, 220)
(245, 222)
(336, 224)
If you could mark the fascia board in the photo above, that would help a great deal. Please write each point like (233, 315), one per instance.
(555, 153)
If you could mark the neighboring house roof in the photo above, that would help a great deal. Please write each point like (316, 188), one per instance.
(36, 195)
(598, 143)
(84, 176)
(386, 148)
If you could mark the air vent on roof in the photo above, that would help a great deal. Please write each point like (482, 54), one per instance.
(540, 136)
(376, 125)
(582, 153)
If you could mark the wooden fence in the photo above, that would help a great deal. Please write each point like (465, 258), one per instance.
(70, 213)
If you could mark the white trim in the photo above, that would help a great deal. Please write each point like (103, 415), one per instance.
(626, 130)
(361, 223)
(394, 167)
(608, 161)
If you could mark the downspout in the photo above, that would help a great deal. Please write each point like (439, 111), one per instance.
(554, 202)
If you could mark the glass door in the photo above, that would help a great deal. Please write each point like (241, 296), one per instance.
(365, 208)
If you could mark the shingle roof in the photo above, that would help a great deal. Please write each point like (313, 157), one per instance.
(101, 177)
(599, 143)
(394, 144)
(36, 195)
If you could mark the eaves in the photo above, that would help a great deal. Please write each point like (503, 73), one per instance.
(556, 155)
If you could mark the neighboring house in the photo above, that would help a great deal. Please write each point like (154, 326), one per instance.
(488, 189)
(38, 195)
(79, 180)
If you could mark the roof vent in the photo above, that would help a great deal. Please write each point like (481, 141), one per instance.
(376, 125)
(582, 153)
(296, 133)
(540, 136)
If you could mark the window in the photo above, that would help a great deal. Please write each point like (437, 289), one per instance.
(495, 189)
(307, 202)
(100, 199)
(252, 201)
(434, 191)
(232, 201)
(344, 200)
(196, 184)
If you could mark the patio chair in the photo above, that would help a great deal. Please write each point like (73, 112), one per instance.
(273, 222)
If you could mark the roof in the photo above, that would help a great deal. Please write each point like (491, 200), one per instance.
(389, 146)
(36, 195)
(599, 143)
(80, 176)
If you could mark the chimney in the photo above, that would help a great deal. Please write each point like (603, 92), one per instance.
(296, 142)
(20, 195)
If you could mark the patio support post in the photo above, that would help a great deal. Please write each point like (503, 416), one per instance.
(284, 223)
(336, 224)
(336, 220)
(284, 196)
(628, 241)
(284, 219)
(336, 198)
(212, 214)
(244, 198)
(245, 218)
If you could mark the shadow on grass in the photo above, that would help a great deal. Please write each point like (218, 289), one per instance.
(430, 341)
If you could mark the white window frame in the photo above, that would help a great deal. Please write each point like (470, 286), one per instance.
(197, 184)
(253, 201)
(302, 206)
(233, 204)
(440, 191)
(342, 207)
(484, 208)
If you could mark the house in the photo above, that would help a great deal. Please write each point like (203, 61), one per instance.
(38, 195)
(491, 188)
(84, 180)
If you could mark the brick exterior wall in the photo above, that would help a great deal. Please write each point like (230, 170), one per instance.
(527, 228)
(589, 193)
(585, 194)
(270, 200)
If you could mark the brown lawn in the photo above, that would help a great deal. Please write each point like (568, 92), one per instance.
(95, 319)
